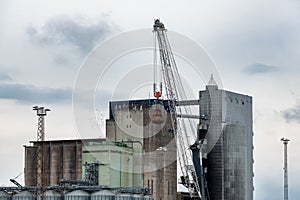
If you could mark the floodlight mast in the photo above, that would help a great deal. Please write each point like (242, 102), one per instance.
(40, 161)
(285, 169)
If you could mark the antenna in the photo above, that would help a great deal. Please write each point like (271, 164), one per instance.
(285, 168)
(40, 161)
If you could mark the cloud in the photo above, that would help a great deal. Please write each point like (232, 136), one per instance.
(259, 68)
(4, 77)
(270, 36)
(61, 60)
(292, 114)
(79, 32)
(31, 94)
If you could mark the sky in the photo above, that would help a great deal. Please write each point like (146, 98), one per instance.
(254, 44)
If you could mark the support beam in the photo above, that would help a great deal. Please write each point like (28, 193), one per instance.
(188, 103)
(189, 116)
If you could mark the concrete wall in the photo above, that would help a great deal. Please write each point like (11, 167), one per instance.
(133, 121)
(63, 160)
(30, 166)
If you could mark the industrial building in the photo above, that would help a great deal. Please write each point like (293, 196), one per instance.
(228, 153)
(63, 160)
(95, 161)
(88, 168)
(183, 196)
(114, 164)
(147, 125)
(139, 151)
(60, 193)
(138, 158)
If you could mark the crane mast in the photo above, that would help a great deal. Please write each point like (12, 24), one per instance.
(187, 154)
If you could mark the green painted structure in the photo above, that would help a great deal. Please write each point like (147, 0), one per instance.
(116, 163)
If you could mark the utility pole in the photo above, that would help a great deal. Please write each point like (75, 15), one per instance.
(40, 154)
(285, 168)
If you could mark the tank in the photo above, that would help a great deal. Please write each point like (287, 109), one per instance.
(147, 197)
(52, 195)
(103, 195)
(77, 195)
(4, 196)
(136, 197)
(24, 195)
(123, 196)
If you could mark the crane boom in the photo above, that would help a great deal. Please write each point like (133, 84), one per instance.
(175, 92)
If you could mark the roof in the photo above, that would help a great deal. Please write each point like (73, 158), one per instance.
(211, 80)
(72, 140)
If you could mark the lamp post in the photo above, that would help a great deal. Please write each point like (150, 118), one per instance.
(285, 168)
(40, 161)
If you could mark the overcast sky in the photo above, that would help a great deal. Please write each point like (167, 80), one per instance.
(254, 44)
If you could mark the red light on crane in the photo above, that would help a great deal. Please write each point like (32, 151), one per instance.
(157, 94)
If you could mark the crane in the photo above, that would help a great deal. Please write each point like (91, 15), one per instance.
(188, 153)
(14, 180)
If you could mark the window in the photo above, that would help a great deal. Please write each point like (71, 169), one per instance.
(168, 187)
(172, 189)
(236, 100)
(152, 186)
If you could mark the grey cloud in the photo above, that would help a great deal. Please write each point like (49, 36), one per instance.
(259, 68)
(4, 77)
(78, 32)
(292, 114)
(61, 60)
(32, 94)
